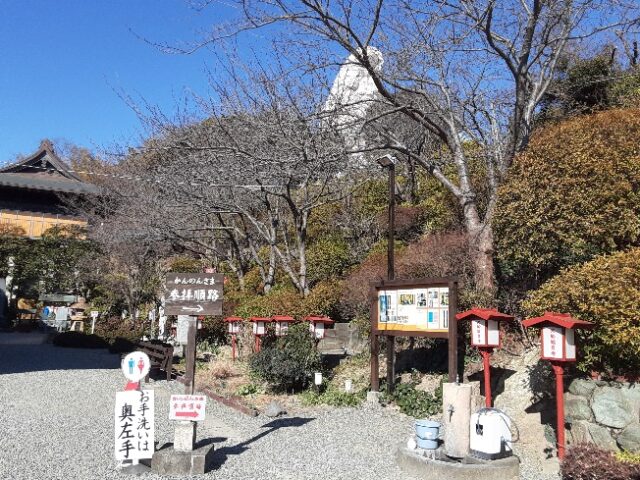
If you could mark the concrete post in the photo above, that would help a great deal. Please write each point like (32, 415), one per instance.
(457, 402)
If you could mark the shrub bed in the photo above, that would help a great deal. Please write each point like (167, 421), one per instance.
(605, 291)
(589, 462)
(79, 340)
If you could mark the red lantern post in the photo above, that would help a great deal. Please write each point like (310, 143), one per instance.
(259, 330)
(317, 326)
(485, 335)
(282, 324)
(235, 324)
(558, 346)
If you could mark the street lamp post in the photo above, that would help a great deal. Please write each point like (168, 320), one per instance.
(389, 162)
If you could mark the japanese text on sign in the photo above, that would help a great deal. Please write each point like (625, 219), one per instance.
(187, 407)
(415, 309)
(193, 294)
(134, 425)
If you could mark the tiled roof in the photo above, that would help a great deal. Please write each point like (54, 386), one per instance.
(52, 183)
(44, 170)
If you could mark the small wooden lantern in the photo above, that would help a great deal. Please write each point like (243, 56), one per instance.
(558, 335)
(282, 324)
(558, 346)
(485, 334)
(235, 325)
(318, 325)
(259, 329)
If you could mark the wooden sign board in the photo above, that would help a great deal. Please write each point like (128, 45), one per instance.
(193, 294)
(424, 307)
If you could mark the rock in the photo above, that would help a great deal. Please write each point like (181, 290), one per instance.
(579, 432)
(274, 409)
(602, 438)
(629, 439)
(582, 431)
(611, 408)
(411, 444)
(582, 387)
(577, 408)
(632, 394)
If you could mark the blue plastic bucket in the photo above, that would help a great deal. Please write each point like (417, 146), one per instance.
(427, 432)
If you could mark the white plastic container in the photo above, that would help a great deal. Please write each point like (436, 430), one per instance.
(490, 434)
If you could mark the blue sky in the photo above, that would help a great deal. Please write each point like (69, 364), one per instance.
(61, 60)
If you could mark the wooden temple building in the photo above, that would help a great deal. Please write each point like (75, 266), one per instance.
(32, 191)
(35, 193)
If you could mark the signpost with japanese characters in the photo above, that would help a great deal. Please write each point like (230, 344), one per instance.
(193, 294)
(187, 407)
(134, 425)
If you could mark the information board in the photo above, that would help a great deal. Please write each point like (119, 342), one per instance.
(414, 309)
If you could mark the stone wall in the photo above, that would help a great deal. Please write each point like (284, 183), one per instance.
(604, 413)
(344, 338)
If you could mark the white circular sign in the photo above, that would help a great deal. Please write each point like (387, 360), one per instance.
(135, 366)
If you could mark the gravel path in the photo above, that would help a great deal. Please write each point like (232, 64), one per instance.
(57, 423)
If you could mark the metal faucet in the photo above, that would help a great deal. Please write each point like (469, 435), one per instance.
(450, 410)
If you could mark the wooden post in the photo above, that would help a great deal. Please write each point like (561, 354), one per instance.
(233, 347)
(559, 371)
(453, 332)
(375, 380)
(190, 355)
(374, 345)
(391, 360)
(486, 353)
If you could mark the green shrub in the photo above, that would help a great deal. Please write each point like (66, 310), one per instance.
(588, 462)
(288, 363)
(605, 291)
(78, 340)
(327, 258)
(114, 328)
(334, 398)
(571, 196)
(122, 345)
(416, 403)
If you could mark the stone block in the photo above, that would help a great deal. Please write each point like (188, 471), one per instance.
(185, 436)
(629, 439)
(579, 433)
(577, 408)
(611, 408)
(582, 387)
(169, 461)
(420, 466)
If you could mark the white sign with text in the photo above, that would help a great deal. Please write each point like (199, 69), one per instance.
(134, 425)
(187, 407)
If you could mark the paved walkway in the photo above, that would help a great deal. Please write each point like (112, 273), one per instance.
(57, 421)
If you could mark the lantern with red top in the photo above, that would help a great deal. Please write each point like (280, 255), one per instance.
(259, 329)
(282, 324)
(235, 325)
(485, 334)
(318, 326)
(559, 346)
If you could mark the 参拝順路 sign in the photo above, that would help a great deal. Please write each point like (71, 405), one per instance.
(193, 294)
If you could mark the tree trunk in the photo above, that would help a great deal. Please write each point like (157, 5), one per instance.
(481, 249)
(271, 270)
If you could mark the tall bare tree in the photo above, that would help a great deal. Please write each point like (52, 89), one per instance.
(469, 73)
